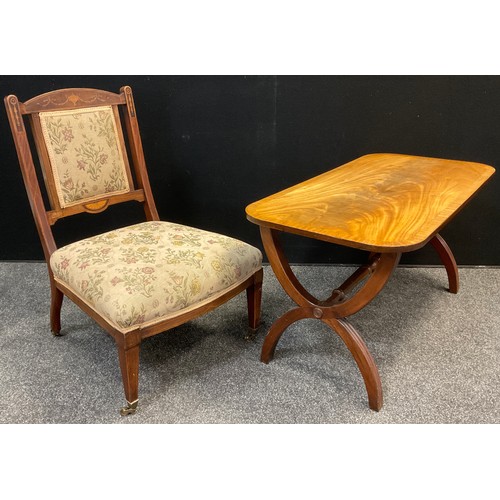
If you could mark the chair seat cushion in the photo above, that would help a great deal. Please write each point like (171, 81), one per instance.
(142, 274)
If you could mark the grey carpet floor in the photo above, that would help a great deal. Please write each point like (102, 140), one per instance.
(438, 356)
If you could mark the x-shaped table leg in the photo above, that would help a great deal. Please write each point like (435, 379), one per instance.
(332, 311)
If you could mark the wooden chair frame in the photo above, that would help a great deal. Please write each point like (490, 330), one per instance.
(128, 343)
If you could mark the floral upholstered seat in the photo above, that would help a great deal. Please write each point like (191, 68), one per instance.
(152, 271)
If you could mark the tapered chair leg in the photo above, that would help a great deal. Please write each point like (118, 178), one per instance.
(56, 299)
(129, 365)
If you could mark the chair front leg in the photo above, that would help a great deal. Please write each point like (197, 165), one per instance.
(129, 365)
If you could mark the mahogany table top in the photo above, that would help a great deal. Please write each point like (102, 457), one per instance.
(379, 202)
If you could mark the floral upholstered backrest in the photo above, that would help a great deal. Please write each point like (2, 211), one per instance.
(85, 153)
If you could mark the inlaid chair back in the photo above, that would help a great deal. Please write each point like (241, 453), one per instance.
(135, 281)
(81, 148)
(79, 139)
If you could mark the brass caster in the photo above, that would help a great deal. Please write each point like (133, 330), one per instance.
(130, 409)
(251, 334)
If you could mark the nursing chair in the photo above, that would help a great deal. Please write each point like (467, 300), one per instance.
(135, 281)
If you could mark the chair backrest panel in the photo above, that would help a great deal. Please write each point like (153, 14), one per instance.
(80, 143)
(86, 156)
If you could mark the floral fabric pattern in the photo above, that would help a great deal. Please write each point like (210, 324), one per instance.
(153, 270)
(85, 155)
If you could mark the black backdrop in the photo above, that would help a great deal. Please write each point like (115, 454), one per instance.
(213, 144)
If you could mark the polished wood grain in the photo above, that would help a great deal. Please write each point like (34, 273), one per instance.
(379, 202)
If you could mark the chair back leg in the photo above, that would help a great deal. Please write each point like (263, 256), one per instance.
(254, 299)
(56, 299)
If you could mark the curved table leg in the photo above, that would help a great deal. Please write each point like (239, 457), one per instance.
(333, 310)
(351, 339)
(277, 329)
(447, 258)
(363, 359)
(282, 269)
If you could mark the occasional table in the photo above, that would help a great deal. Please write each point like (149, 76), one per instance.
(383, 203)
